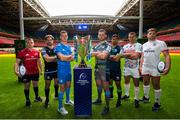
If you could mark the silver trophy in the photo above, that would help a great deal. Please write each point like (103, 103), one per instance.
(82, 46)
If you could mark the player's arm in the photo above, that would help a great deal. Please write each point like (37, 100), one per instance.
(114, 57)
(16, 66)
(102, 55)
(39, 63)
(141, 62)
(93, 53)
(167, 62)
(135, 56)
(49, 58)
(65, 57)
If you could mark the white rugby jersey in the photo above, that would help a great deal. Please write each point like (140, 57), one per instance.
(152, 51)
(131, 48)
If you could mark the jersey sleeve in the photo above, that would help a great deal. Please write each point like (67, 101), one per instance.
(163, 46)
(38, 54)
(122, 50)
(71, 50)
(43, 52)
(119, 49)
(57, 49)
(108, 49)
(138, 48)
(93, 49)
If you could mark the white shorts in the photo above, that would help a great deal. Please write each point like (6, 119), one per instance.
(150, 71)
(134, 72)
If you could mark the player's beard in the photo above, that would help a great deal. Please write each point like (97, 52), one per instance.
(49, 44)
(114, 43)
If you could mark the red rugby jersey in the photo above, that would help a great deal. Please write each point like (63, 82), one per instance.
(29, 59)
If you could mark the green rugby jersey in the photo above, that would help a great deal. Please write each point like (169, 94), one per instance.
(102, 46)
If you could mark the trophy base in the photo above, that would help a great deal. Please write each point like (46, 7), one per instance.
(82, 64)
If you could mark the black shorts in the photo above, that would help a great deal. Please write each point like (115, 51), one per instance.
(115, 75)
(28, 78)
(50, 76)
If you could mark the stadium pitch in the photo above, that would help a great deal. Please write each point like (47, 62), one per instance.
(12, 100)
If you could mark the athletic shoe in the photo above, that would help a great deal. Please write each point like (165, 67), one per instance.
(125, 97)
(70, 102)
(105, 111)
(38, 99)
(55, 97)
(136, 103)
(156, 107)
(111, 96)
(63, 111)
(145, 100)
(118, 104)
(28, 103)
(97, 102)
(46, 104)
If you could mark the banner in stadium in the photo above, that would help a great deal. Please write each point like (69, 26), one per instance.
(83, 91)
(19, 45)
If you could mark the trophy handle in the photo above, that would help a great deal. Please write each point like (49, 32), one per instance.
(76, 48)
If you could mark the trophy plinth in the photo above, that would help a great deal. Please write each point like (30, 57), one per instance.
(82, 64)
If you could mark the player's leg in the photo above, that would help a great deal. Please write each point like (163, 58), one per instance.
(47, 78)
(105, 81)
(35, 79)
(61, 81)
(47, 89)
(126, 83)
(157, 92)
(55, 85)
(127, 87)
(26, 93)
(119, 92)
(117, 78)
(136, 92)
(99, 86)
(146, 88)
(111, 87)
(61, 109)
(67, 89)
(136, 76)
(146, 84)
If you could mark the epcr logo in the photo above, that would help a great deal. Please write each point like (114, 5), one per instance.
(82, 76)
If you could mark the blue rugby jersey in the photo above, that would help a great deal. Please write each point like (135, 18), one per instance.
(63, 66)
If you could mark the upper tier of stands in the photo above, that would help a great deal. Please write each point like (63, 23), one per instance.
(169, 31)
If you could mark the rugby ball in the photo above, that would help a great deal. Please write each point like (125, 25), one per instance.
(161, 66)
(22, 70)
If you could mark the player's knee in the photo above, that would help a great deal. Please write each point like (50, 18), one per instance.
(62, 88)
(107, 93)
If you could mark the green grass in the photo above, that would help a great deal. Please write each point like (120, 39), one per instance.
(12, 98)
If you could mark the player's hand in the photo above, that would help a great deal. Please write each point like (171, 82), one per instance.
(17, 73)
(71, 57)
(94, 53)
(41, 73)
(112, 57)
(165, 71)
(140, 70)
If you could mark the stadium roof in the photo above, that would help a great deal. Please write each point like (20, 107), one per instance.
(155, 11)
(82, 7)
